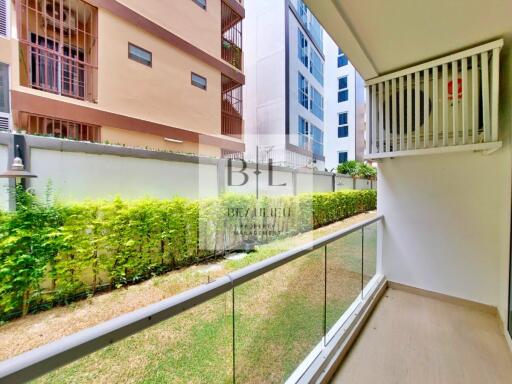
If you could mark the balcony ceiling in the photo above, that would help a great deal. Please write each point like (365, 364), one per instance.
(383, 36)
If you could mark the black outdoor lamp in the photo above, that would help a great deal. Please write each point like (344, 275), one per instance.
(17, 171)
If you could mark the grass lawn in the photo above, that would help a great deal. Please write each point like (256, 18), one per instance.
(279, 318)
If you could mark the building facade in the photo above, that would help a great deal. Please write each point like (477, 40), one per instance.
(125, 72)
(344, 108)
(284, 95)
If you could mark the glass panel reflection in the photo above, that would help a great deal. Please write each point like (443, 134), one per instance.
(193, 347)
(344, 266)
(279, 319)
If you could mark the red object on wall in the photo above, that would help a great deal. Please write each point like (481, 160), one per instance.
(459, 89)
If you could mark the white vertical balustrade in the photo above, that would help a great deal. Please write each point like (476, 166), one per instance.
(426, 108)
(465, 110)
(448, 102)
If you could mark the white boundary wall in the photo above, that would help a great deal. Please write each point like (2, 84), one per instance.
(76, 171)
(4, 183)
(79, 176)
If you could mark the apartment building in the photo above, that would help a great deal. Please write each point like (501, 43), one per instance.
(284, 95)
(164, 75)
(344, 108)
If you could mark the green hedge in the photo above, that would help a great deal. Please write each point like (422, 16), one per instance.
(55, 253)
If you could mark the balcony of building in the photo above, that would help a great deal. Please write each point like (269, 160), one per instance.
(58, 47)
(231, 35)
(232, 108)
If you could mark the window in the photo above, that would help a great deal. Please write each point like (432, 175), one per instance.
(65, 129)
(303, 132)
(303, 48)
(310, 137)
(317, 104)
(140, 55)
(4, 88)
(201, 3)
(64, 75)
(342, 59)
(317, 66)
(199, 81)
(318, 140)
(62, 58)
(342, 89)
(303, 11)
(342, 124)
(342, 157)
(316, 31)
(303, 91)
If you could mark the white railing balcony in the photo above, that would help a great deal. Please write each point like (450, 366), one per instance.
(444, 105)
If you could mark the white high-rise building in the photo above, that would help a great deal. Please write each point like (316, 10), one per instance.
(284, 92)
(344, 108)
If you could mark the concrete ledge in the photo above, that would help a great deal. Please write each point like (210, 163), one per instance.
(63, 145)
(55, 144)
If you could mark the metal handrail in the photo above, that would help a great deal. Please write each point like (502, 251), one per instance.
(34, 363)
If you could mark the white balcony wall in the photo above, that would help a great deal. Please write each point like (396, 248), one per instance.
(447, 217)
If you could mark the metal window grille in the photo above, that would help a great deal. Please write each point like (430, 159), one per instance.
(231, 36)
(232, 111)
(58, 45)
(64, 129)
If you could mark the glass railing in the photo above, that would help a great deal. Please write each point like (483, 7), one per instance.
(265, 323)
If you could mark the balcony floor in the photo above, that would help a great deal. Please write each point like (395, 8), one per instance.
(416, 339)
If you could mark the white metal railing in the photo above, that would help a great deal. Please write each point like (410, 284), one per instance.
(451, 102)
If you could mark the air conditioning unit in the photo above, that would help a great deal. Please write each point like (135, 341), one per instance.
(454, 102)
(59, 17)
(5, 122)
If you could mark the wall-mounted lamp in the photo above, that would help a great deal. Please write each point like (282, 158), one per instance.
(17, 170)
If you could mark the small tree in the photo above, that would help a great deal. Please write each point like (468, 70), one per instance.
(30, 239)
(349, 168)
(357, 169)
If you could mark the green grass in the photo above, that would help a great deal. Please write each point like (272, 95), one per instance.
(279, 318)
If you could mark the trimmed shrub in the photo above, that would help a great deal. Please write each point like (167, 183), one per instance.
(52, 254)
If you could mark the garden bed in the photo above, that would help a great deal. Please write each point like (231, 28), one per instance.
(134, 359)
(55, 254)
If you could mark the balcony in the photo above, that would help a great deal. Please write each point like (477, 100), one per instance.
(232, 108)
(411, 336)
(333, 306)
(231, 40)
(58, 47)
